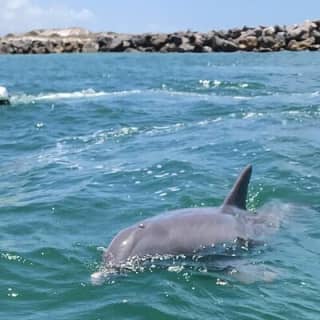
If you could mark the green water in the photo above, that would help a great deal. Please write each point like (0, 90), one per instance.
(93, 143)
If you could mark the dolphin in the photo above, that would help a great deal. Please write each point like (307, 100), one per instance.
(188, 231)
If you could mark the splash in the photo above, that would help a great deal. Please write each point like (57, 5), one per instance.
(230, 85)
(271, 217)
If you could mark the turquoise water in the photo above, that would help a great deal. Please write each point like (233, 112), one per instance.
(93, 143)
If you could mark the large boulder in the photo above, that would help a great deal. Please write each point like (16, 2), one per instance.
(55, 46)
(186, 47)
(262, 49)
(69, 46)
(268, 32)
(104, 43)
(251, 32)
(224, 45)
(234, 33)
(281, 42)
(300, 32)
(205, 49)
(169, 47)
(176, 39)
(141, 40)
(222, 34)
(20, 46)
(116, 45)
(90, 46)
(158, 40)
(219, 44)
(196, 39)
(314, 47)
(4, 47)
(316, 35)
(295, 45)
(132, 50)
(267, 41)
(247, 43)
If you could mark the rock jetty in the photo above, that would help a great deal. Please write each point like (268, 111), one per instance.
(305, 36)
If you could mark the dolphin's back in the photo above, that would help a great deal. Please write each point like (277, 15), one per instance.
(177, 232)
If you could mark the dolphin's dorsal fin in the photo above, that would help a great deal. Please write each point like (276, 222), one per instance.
(238, 194)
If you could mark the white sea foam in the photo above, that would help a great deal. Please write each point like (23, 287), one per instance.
(252, 115)
(242, 98)
(100, 136)
(179, 93)
(82, 94)
(210, 83)
(217, 83)
(208, 121)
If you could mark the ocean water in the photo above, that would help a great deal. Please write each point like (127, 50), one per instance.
(95, 142)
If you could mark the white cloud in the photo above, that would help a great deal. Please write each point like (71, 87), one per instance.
(25, 15)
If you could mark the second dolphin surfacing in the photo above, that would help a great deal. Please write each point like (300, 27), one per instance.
(188, 232)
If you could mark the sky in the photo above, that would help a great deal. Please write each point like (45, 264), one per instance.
(136, 16)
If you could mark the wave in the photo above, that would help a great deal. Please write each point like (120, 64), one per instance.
(230, 85)
(86, 93)
(191, 93)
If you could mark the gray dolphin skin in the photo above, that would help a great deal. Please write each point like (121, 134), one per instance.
(188, 231)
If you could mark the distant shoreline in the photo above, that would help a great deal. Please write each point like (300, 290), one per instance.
(304, 36)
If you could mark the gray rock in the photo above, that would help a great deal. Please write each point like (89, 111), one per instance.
(268, 32)
(300, 32)
(247, 43)
(147, 49)
(257, 32)
(196, 39)
(280, 41)
(222, 34)
(158, 41)
(68, 47)
(132, 50)
(186, 47)
(169, 47)
(143, 40)
(104, 43)
(262, 49)
(116, 45)
(90, 46)
(317, 23)
(175, 39)
(3, 48)
(267, 41)
(279, 28)
(314, 47)
(316, 35)
(234, 33)
(55, 46)
(205, 49)
(295, 45)
(296, 33)
(39, 50)
(224, 45)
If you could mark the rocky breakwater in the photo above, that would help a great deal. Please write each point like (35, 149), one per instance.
(305, 36)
